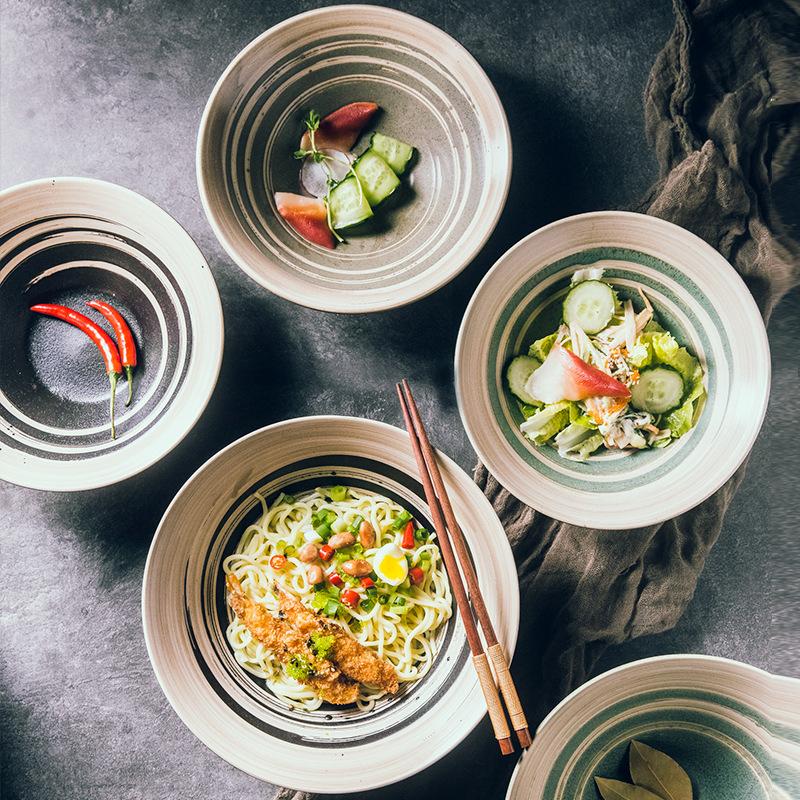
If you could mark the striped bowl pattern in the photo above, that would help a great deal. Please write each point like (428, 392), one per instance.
(735, 729)
(185, 613)
(432, 93)
(66, 240)
(697, 296)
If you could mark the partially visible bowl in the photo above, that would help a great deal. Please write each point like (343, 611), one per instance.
(735, 730)
(432, 94)
(696, 294)
(66, 241)
(184, 612)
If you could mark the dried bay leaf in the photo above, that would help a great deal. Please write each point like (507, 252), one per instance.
(657, 772)
(618, 790)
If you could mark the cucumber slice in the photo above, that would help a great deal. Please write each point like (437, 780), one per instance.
(377, 177)
(517, 374)
(658, 390)
(395, 153)
(590, 305)
(348, 204)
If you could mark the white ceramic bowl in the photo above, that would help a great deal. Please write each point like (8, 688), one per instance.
(184, 613)
(696, 294)
(432, 94)
(66, 241)
(735, 730)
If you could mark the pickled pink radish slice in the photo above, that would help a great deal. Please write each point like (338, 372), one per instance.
(307, 215)
(340, 129)
(564, 376)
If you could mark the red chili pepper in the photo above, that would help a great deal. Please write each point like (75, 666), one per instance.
(103, 341)
(350, 597)
(277, 562)
(125, 342)
(367, 583)
(336, 579)
(326, 552)
(417, 575)
(408, 536)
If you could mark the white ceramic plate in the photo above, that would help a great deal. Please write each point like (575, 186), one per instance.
(696, 294)
(184, 613)
(735, 730)
(66, 241)
(432, 94)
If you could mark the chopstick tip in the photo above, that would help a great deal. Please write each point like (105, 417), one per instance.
(525, 738)
(506, 746)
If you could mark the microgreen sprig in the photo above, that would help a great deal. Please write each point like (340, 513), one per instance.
(311, 122)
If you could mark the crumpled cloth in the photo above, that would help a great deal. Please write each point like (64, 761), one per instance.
(722, 111)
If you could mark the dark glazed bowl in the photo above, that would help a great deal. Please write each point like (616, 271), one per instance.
(67, 241)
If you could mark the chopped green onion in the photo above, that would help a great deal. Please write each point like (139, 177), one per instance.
(355, 625)
(356, 524)
(321, 645)
(281, 546)
(299, 668)
(383, 599)
(421, 534)
(290, 550)
(425, 555)
(401, 520)
(337, 493)
(368, 604)
(332, 608)
(399, 601)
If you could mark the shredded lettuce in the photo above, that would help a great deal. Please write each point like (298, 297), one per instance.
(528, 410)
(541, 347)
(640, 354)
(545, 424)
(577, 442)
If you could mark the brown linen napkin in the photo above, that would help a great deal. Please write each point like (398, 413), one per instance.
(722, 110)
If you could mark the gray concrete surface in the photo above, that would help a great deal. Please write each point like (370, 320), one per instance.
(115, 90)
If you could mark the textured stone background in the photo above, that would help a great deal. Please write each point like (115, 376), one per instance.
(115, 90)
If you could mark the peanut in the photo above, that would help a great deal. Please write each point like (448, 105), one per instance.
(357, 567)
(366, 534)
(339, 540)
(308, 552)
(314, 574)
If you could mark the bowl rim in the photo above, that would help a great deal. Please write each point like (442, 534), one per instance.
(514, 621)
(109, 477)
(643, 663)
(651, 515)
(334, 304)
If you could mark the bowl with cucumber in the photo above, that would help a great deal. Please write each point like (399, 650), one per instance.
(353, 159)
(612, 370)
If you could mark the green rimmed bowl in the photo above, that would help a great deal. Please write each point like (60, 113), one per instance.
(696, 294)
(432, 93)
(735, 730)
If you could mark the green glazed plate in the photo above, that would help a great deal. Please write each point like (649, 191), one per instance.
(696, 294)
(735, 730)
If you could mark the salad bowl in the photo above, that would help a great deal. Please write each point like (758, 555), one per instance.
(431, 94)
(733, 728)
(695, 294)
(233, 713)
(68, 241)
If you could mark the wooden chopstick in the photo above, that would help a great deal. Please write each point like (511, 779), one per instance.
(479, 659)
(498, 658)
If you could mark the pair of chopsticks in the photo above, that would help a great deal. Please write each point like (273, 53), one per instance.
(455, 555)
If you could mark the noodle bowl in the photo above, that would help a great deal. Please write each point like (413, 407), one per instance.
(398, 623)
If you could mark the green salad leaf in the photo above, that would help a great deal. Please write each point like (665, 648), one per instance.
(545, 424)
(578, 441)
(541, 347)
